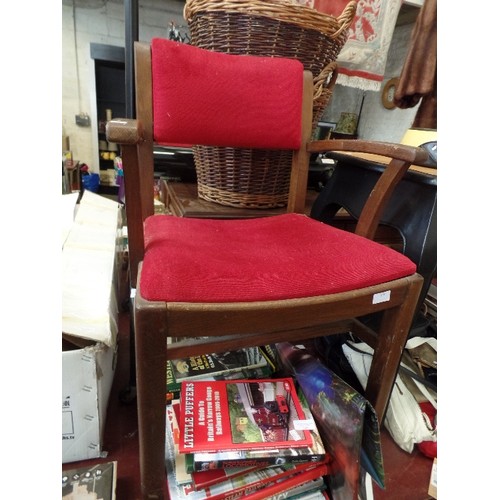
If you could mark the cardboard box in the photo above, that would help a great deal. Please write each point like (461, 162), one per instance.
(86, 385)
(90, 271)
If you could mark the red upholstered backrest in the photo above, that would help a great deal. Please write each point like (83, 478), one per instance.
(215, 99)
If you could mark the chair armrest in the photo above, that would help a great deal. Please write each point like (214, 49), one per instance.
(412, 154)
(124, 131)
(401, 157)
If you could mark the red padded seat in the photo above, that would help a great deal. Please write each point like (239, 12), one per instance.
(271, 258)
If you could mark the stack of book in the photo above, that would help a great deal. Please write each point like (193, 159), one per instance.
(255, 438)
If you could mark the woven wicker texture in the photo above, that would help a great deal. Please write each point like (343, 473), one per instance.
(276, 28)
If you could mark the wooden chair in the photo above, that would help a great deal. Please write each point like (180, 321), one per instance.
(240, 283)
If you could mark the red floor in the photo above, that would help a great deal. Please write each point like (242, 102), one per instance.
(407, 476)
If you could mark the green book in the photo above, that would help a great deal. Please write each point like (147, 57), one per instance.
(252, 362)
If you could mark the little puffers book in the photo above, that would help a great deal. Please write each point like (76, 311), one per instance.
(241, 415)
(202, 461)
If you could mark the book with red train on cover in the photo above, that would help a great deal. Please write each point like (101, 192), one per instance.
(276, 456)
(241, 415)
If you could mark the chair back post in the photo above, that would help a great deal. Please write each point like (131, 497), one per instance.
(300, 158)
(144, 107)
(138, 165)
(135, 229)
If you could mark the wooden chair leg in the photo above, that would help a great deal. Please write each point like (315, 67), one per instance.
(151, 388)
(392, 337)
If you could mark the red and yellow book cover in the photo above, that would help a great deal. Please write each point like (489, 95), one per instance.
(241, 414)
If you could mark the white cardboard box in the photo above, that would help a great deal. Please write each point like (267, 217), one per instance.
(87, 379)
(90, 263)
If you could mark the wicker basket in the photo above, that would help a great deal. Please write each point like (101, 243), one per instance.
(276, 28)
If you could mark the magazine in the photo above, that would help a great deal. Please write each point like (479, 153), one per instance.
(346, 420)
(90, 482)
(237, 415)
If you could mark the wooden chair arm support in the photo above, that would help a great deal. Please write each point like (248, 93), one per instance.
(402, 157)
(412, 154)
(124, 131)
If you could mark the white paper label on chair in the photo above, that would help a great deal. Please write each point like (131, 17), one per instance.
(381, 297)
